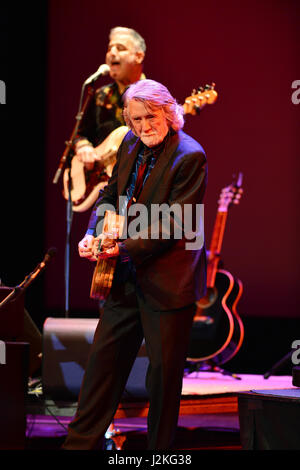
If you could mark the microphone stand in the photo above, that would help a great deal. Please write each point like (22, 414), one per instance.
(69, 143)
(66, 160)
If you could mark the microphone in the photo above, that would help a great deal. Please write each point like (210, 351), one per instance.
(50, 253)
(41, 266)
(29, 279)
(102, 70)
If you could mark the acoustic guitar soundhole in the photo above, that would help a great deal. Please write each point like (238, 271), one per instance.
(203, 304)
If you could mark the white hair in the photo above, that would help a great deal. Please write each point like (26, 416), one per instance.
(154, 95)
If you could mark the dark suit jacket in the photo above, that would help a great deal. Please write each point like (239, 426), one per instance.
(169, 275)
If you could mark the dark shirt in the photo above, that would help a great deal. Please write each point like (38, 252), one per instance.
(103, 114)
(145, 156)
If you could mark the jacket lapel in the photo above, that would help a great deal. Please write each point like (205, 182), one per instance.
(128, 159)
(126, 164)
(158, 170)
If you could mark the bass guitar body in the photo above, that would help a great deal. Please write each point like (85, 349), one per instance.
(217, 332)
(86, 184)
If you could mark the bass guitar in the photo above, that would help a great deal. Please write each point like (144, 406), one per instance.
(86, 184)
(218, 331)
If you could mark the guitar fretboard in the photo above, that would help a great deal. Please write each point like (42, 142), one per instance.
(215, 247)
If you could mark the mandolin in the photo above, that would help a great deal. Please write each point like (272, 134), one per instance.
(86, 184)
(217, 332)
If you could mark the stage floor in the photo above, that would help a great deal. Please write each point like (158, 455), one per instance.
(210, 383)
(208, 414)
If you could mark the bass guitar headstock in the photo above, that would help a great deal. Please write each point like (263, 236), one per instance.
(199, 98)
(231, 194)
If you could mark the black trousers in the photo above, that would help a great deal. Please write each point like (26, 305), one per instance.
(126, 320)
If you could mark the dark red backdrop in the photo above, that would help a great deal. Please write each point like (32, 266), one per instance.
(250, 50)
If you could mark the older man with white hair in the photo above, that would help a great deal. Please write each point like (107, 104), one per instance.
(157, 279)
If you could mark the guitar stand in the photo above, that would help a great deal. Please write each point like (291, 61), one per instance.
(212, 367)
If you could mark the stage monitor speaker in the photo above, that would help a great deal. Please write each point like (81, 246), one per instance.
(66, 345)
(269, 419)
(13, 391)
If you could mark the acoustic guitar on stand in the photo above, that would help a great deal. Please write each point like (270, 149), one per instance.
(86, 184)
(218, 331)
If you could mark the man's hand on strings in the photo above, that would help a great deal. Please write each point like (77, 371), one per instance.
(86, 247)
(109, 246)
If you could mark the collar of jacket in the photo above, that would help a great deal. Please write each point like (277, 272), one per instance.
(128, 158)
